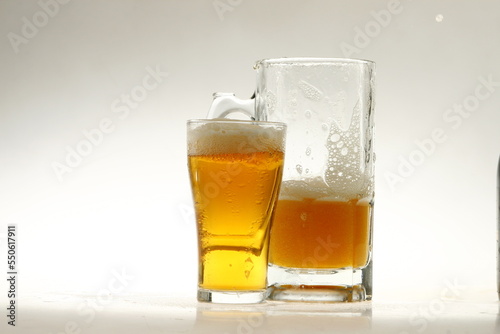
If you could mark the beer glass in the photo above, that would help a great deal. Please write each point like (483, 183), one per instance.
(235, 170)
(321, 238)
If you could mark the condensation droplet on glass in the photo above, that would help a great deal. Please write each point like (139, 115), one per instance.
(308, 113)
(324, 127)
(307, 170)
(344, 151)
(299, 169)
(308, 151)
(335, 137)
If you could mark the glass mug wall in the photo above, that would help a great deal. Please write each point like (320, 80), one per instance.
(321, 238)
(235, 170)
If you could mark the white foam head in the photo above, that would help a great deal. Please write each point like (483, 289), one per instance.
(231, 136)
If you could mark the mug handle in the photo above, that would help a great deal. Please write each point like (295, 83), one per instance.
(225, 104)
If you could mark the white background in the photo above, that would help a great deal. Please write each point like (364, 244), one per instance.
(125, 207)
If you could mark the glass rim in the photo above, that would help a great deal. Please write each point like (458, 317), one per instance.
(313, 61)
(229, 120)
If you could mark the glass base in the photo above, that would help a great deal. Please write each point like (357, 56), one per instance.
(232, 297)
(320, 285)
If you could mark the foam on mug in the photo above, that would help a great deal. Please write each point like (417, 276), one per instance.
(347, 174)
(318, 189)
(234, 137)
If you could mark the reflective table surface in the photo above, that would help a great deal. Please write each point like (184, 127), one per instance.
(162, 314)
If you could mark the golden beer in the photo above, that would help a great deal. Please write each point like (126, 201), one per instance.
(235, 171)
(325, 234)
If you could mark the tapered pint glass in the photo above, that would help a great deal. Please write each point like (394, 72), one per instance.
(321, 238)
(235, 170)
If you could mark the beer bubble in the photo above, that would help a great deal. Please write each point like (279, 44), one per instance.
(324, 127)
(340, 144)
(308, 113)
(335, 137)
(308, 151)
(303, 216)
(344, 151)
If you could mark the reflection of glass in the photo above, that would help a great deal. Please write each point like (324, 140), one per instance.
(337, 318)
(235, 169)
(281, 317)
(321, 239)
(230, 319)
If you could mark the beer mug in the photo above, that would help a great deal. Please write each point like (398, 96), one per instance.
(321, 236)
